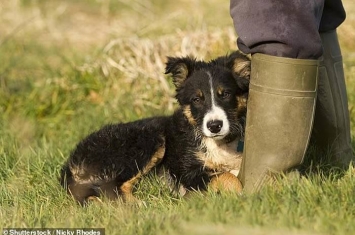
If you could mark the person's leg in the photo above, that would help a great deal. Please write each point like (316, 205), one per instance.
(285, 28)
(289, 29)
(331, 132)
(282, 92)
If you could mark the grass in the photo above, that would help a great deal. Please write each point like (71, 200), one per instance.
(68, 67)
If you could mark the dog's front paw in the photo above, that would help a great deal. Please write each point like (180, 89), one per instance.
(225, 182)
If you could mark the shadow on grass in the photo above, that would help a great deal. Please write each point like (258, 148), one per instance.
(321, 162)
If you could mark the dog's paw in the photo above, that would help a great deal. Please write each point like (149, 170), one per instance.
(225, 182)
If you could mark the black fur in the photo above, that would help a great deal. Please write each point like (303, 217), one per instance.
(110, 160)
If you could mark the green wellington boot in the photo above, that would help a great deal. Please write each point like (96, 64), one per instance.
(331, 132)
(281, 106)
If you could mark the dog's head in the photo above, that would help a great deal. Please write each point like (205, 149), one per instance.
(212, 94)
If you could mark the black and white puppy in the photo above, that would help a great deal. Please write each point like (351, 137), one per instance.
(195, 144)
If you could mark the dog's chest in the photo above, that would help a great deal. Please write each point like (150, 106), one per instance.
(220, 157)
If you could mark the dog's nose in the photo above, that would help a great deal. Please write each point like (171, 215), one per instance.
(215, 126)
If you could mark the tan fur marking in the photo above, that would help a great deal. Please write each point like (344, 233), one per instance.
(199, 93)
(126, 190)
(188, 115)
(126, 187)
(242, 103)
(157, 157)
(219, 90)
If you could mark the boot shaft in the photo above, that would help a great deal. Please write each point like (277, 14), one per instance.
(280, 114)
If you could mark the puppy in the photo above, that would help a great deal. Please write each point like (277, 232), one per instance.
(193, 146)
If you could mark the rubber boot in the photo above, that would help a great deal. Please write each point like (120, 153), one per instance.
(280, 114)
(331, 132)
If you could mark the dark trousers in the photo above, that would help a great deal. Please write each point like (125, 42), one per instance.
(286, 28)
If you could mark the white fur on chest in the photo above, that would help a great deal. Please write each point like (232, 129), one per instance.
(221, 156)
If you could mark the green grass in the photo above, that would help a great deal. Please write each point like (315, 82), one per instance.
(67, 68)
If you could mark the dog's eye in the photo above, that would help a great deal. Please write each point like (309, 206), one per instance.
(225, 94)
(196, 100)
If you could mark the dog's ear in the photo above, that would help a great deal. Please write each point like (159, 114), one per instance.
(240, 66)
(238, 62)
(180, 68)
(241, 72)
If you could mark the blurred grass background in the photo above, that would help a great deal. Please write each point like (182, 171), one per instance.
(68, 67)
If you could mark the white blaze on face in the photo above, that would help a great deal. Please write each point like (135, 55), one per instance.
(216, 113)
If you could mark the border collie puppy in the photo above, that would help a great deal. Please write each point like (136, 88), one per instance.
(194, 146)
